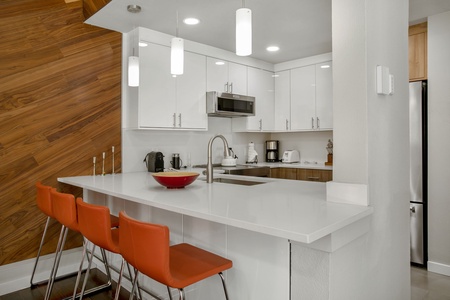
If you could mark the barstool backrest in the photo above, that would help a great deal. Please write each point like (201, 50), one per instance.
(146, 247)
(94, 222)
(43, 199)
(65, 209)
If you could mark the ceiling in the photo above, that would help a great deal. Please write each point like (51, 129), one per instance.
(301, 28)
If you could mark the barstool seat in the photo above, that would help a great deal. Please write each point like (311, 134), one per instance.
(94, 222)
(43, 201)
(146, 247)
(65, 212)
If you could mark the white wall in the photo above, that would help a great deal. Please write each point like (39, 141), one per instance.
(439, 143)
(137, 143)
(371, 145)
(312, 145)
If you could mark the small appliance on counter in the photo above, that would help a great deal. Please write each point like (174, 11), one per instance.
(252, 155)
(291, 156)
(272, 151)
(229, 161)
(176, 161)
(154, 161)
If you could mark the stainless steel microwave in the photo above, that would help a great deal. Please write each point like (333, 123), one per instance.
(229, 105)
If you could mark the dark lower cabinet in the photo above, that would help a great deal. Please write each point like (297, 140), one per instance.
(302, 174)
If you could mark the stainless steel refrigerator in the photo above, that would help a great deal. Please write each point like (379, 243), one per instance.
(418, 171)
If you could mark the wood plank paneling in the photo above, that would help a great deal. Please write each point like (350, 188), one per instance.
(60, 101)
(90, 7)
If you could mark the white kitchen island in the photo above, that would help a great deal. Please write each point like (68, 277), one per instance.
(274, 232)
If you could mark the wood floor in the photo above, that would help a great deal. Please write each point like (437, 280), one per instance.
(424, 286)
(64, 288)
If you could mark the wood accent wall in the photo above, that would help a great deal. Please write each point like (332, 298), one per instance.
(90, 7)
(60, 105)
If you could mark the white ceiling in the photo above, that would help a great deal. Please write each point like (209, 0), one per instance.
(301, 28)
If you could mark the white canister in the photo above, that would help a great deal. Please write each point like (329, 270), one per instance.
(252, 155)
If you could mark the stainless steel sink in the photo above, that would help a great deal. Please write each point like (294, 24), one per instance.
(247, 170)
(236, 181)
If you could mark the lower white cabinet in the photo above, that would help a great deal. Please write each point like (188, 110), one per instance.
(261, 86)
(171, 102)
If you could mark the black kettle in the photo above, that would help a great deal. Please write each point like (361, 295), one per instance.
(154, 161)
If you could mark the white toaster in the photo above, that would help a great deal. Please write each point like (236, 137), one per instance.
(290, 156)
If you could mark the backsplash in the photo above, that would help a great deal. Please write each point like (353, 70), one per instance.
(137, 143)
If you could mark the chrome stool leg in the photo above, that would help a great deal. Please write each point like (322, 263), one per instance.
(224, 285)
(138, 291)
(39, 251)
(136, 273)
(85, 292)
(58, 254)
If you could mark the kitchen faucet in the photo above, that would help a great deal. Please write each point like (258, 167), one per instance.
(209, 166)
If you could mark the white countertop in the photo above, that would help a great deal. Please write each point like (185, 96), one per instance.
(295, 210)
(299, 165)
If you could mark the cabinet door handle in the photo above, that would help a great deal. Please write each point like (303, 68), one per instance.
(260, 124)
(318, 123)
(287, 124)
(412, 209)
(226, 87)
(174, 120)
(179, 120)
(312, 123)
(231, 88)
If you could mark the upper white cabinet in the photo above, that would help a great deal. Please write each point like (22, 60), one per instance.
(171, 102)
(260, 86)
(303, 96)
(224, 76)
(311, 97)
(324, 96)
(282, 118)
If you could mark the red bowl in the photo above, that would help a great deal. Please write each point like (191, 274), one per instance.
(175, 180)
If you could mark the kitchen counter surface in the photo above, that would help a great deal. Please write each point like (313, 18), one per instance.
(300, 165)
(295, 210)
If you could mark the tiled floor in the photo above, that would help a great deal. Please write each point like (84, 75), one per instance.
(428, 285)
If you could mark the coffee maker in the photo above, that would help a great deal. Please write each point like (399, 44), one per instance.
(272, 148)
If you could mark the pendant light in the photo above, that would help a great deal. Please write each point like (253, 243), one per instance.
(243, 31)
(133, 61)
(177, 54)
(133, 71)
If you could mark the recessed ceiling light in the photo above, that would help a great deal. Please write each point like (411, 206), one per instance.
(325, 66)
(220, 63)
(273, 48)
(191, 21)
(275, 75)
(143, 44)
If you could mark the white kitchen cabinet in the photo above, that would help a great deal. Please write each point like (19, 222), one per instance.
(282, 118)
(260, 86)
(324, 96)
(224, 76)
(171, 102)
(311, 98)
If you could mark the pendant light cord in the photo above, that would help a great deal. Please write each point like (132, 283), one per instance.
(176, 33)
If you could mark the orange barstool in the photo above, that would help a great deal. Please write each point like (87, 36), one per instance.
(95, 225)
(146, 247)
(65, 212)
(44, 203)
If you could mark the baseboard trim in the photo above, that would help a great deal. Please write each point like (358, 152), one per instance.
(438, 268)
(16, 276)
